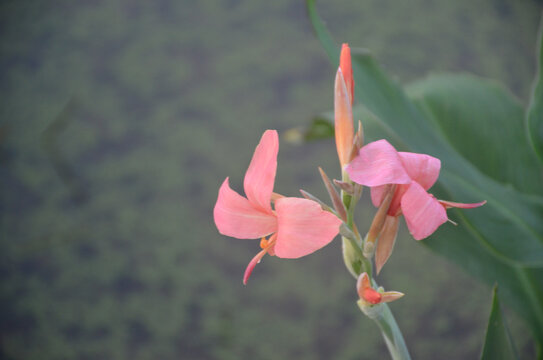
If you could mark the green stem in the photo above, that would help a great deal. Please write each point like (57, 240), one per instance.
(380, 313)
(392, 334)
(384, 319)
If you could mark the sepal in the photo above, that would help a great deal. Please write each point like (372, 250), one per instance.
(336, 201)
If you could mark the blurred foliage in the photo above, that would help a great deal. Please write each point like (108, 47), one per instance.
(170, 98)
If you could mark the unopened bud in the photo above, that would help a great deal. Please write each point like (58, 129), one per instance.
(369, 296)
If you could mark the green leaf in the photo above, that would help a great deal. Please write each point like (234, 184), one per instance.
(484, 123)
(518, 284)
(498, 344)
(534, 113)
(509, 225)
(501, 241)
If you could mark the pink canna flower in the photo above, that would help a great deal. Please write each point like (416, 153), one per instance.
(378, 164)
(296, 227)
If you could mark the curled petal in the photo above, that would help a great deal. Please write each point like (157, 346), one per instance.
(385, 245)
(260, 175)
(421, 168)
(378, 163)
(450, 204)
(303, 227)
(423, 213)
(235, 216)
(343, 119)
(251, 265)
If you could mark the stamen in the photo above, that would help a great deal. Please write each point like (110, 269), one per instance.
(267, 248)
(452, 222)
(270, 245)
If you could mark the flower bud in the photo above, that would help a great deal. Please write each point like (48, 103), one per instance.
(343, 107)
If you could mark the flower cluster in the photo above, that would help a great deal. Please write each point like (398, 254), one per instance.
(292, 227)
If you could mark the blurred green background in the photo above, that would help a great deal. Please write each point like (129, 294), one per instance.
(120, 119)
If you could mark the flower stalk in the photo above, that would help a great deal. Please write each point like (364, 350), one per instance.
(392, 334)
(358, 252)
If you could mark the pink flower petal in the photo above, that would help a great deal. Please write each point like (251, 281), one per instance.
(378, 193)
(260, 175)
(450, 204)
(423, 213)
(303, 227)
(421, 168)
(251, 266)
(378, 163)
(235, 216)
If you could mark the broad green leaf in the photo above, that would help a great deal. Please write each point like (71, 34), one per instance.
(508, 224)
(495, 242)
(484, 123)
(498, 344)
(520, 286)
(534, 113)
